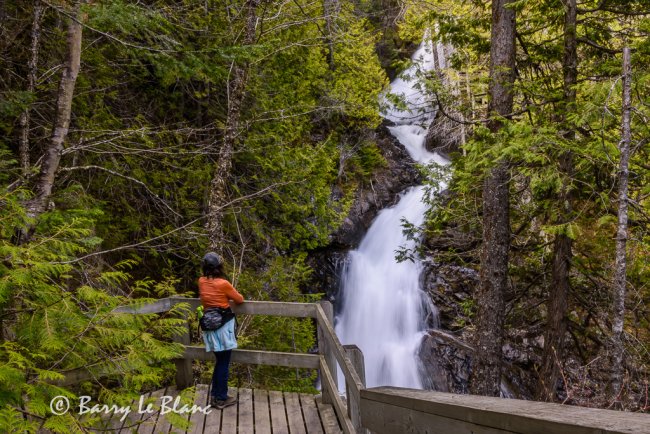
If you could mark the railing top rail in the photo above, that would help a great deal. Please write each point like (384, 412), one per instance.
(273, 308)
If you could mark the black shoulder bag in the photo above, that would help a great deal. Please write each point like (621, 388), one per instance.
(215, 317)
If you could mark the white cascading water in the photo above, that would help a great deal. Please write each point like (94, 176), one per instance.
(384, 309)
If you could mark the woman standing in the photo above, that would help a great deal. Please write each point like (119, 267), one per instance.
(216, 291)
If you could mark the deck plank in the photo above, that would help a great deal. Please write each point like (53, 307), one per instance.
(294, 413)
(148, 421)
(197, 419)
(328, 417)
(115, 423)
(278, 413)
(132, 421)
(108, 421)
(212, 420)
(229, 416)
(163, 426)
(261, 411)
(310, 413)
(257, 411)
(245, 425)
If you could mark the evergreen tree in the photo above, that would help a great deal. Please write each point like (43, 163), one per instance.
(561, 141)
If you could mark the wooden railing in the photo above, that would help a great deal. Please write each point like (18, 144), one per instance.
(390, 410)
(349, 357)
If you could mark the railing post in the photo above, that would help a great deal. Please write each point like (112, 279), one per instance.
(354, 406)
(184, 376)
(325, 351)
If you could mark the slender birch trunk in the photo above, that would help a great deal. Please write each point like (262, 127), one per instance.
(617, 347)
(61, 124)
(24, 120)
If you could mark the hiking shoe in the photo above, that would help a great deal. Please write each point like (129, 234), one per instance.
(222, 403)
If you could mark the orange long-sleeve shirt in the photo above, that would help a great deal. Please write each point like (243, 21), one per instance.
(217, 292)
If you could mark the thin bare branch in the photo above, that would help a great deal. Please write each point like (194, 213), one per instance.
(261, 192)
(121, 175)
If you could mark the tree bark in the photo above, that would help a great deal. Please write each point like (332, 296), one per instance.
(330, 10)
(557, 304)
(490, 299)
(236, 89)
(61, 124)
(24, 120)
(617, 348)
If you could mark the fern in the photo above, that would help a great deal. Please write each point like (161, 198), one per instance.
(58, 325)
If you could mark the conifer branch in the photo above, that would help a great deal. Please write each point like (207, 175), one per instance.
(121, 41)
(598, 46)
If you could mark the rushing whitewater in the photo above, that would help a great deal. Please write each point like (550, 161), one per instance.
(383, 307)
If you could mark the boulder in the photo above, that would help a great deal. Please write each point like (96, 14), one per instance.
(445, 362)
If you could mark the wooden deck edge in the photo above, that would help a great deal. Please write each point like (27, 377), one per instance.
(505, 415)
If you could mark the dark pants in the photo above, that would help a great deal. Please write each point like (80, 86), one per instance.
(220, 375)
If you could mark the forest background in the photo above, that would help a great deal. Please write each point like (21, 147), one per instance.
(134, 136)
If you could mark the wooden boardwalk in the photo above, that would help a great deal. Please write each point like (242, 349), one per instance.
(256, 412)
(383, 410)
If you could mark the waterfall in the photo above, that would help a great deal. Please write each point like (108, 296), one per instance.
(383, 307)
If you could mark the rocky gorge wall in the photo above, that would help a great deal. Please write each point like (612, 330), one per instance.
(379, 193)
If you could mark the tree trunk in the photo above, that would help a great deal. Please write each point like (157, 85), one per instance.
(24, 120)
(486, 372)
(557, 303)
(617, 349)
(52, 156)
(330, 10)
(236, 89)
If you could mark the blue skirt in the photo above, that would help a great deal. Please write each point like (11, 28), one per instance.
(222, 339)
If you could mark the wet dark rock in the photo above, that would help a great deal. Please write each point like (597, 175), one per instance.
(446, 362)
(450, 288)
(445, 136)
(518, 382)
(381, 191)
(453, 239)
(446, 353)
(327, 265)
(524, 347)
